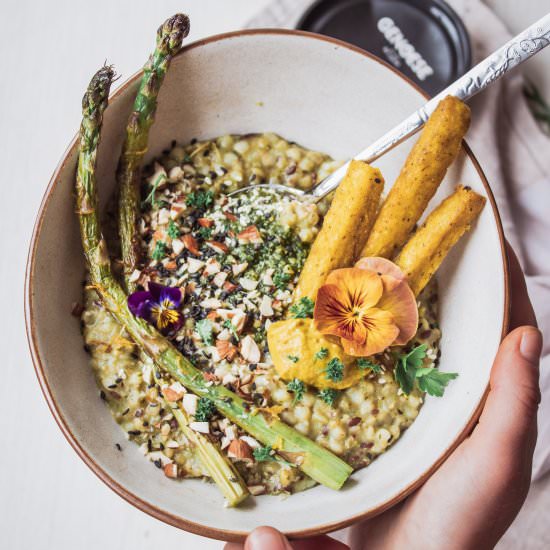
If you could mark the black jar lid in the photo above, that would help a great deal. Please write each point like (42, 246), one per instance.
(424, 39)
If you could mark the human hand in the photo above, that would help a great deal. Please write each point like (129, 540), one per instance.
(475, 495)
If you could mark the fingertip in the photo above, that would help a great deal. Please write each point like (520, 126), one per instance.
(530, 346)
(266, 538)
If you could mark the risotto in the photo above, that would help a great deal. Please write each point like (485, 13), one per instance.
(238, 260)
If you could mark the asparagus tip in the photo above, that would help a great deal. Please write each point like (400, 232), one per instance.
(96, 96)
(171, 33)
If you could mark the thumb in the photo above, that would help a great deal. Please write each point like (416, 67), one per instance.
(509, 416)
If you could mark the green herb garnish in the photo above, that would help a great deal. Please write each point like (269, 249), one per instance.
(266, 454)
(328, 395)
(433, 381)
(409, 370)
(205, 233)
(321, 354)
(231, 327)
(205, 410)
(335, 370)
(173, 230)
(303, 309)
(281, 280)
(297, 387)
(200, 199)
(154, 186)
(159, 252)
(293, 358)
(364, 364)
(204, 330)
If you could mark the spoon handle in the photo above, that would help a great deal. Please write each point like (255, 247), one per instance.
(526, 44)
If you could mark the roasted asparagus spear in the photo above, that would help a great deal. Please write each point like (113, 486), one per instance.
(169, 37)
(317, 462)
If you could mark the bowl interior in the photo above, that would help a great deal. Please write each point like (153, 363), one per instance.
(325, 96)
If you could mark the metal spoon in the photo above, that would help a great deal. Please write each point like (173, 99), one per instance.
(523, 46)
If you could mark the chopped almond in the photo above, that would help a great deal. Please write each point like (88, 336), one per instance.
(240, 450)
(249, 235)
(226, 349)
(191, 244)
(209, 376)
(205, 222)
(216, 246)
(230, 216)
(171, 470)
(228, 286)
(212, 315)
(172, 395)
(250, 350)
(256, 490)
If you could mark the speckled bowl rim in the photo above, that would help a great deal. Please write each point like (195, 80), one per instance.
(176, 521)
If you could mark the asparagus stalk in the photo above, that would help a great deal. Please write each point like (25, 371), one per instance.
(315, 461)
(222, 471)
(169, 37)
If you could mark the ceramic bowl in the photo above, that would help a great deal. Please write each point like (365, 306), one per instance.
(325, 95)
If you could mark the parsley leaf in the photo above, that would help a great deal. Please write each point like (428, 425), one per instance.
(293, 358)
(321, 354)
(303, 309)
(409, 370)
(204, 330)
(335, 370)
(364, 364)
(328, 395)
(404, 378)
(433, 381)
(200, 199)
(297, 387)
(159, 251)
(205, 410)
(280, 280)
(415, 357)
(173, 230)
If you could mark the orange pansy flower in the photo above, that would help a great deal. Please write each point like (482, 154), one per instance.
(369, 306)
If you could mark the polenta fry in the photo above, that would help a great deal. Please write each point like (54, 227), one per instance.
(424, 169)
(422, 255)
(345, 229)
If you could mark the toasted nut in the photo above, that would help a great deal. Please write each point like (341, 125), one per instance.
(216, 246)
(240, 450)
(226, 350)
(249, 235)
(250, 350)
(191, 244)
(205, 222)
(171, 470)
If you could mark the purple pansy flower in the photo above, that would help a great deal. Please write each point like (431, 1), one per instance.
(159, 306)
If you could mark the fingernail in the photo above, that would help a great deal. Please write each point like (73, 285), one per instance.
(531, 345)
(265, 538)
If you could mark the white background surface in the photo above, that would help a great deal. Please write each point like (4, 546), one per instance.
(48, 497)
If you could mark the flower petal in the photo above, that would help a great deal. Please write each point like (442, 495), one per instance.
(155, 289)
(382, 266)
(172, 295)
(139, 304)
(399, 300)
(381, 333)
(363, 288)
(330, 312)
